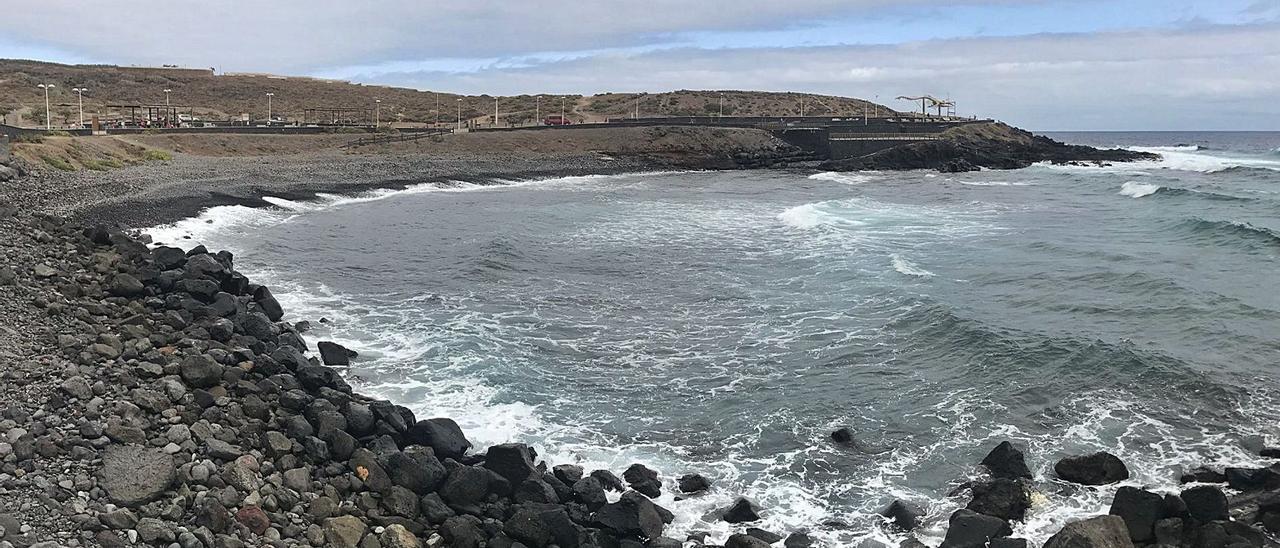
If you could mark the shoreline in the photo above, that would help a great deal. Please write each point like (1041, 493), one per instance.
(545, 509)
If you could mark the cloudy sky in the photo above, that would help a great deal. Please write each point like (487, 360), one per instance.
(1041, 64)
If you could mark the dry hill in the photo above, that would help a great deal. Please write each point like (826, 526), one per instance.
(221, 97)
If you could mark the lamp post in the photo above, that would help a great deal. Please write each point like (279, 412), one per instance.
(48, 120)
(537, 113)
(495, 112)
(80, 93)
(721, 105)
(437, 122)
(377, 113)
(166, 97)
(562, 109)
(459, 114)
(269, 96)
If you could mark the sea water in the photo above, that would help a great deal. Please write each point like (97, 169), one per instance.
(725, 323)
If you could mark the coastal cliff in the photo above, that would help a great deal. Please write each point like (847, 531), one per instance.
(991, 145)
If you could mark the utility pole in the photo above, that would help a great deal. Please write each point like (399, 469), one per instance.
(721, 105)
(637, 116)
(48, 120)
(166, 97)
(537, 113)
(269, 96)
(459, 114)
(495, 112)
(437, 122)
(80, 92)
(377, 113)
(802, 107)
(561, 109)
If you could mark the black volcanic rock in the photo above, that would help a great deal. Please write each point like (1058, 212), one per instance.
(1096, 469)
(1006, 461)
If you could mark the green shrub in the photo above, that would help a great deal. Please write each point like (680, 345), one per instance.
(58, 163)
(33, 138)
(57, 133)
(155, 155)
(103, 165)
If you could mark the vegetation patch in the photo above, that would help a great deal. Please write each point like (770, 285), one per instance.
(58, 163)
(156, 155)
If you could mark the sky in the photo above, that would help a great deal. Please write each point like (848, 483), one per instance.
(1040, 64)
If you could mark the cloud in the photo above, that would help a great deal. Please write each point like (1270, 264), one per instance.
(305, 35)
(1207, 77)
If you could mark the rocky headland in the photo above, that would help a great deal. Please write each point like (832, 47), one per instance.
(987, 145)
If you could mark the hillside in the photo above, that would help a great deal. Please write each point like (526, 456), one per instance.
(222, 97)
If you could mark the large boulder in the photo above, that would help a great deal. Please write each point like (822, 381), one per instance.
(739, 540)
(1206, 503)
(632, 516)
(969, 529)
(1252, 479)
(442, 435)
(513, 461)
(200, 371)
(418, 471)
(1006, 461)
(344, 531)
(465, 486)
(268, 303)
(903, 514)
(1002, 498)
(1099, 468)
(538, 525)
(741, 511)
(693, 483)
(644, 480)
(134, 475)
(1140, 510)
(332, 353)
(1099, 532)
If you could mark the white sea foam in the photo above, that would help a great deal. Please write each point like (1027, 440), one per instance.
(1196, 159)
(841, 177)
(1135, 189)
(995, 183)
(907, 267)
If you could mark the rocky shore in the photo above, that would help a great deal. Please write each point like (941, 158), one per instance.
(977, 146)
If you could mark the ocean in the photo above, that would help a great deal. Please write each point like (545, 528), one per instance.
(726, 323)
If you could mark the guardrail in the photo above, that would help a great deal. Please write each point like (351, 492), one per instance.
(884, 137)
(395, 138)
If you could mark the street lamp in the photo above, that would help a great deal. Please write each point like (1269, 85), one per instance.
(722, 105)
(377, 112)
(48, 120)
(562, 109)
(166, 97)
(437, 122)
(459, 114)
(495, 112)
(80, 92)
(537, 113)
(269, 96)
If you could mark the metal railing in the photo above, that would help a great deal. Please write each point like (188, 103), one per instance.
(884, 137)
(395, 138)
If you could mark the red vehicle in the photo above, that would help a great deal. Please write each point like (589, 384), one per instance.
(556, 120)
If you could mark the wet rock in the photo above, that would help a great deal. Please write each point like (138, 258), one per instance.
(643, 480)
(768, 536)
(535, 490)
(1140, 509)
(567, 473)
(693, 483)
(842, 436)
(168, 258)
(739, 540)
(268, 303)
(442, 435)
(1008, 542)
(741, 511)
(589, 492)
(969, 529)
(1002, 498)
(1169, 532)
(512, 461)
(1252, 479)
(332, 353)
(1097, 469)
(798, 540)
(1206, 503)
(541, 525)
(1203, 475)
(1006, 461)
(1099, 532)
(634, 515)
(133, 475)
(608, 480)
(903, 514)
